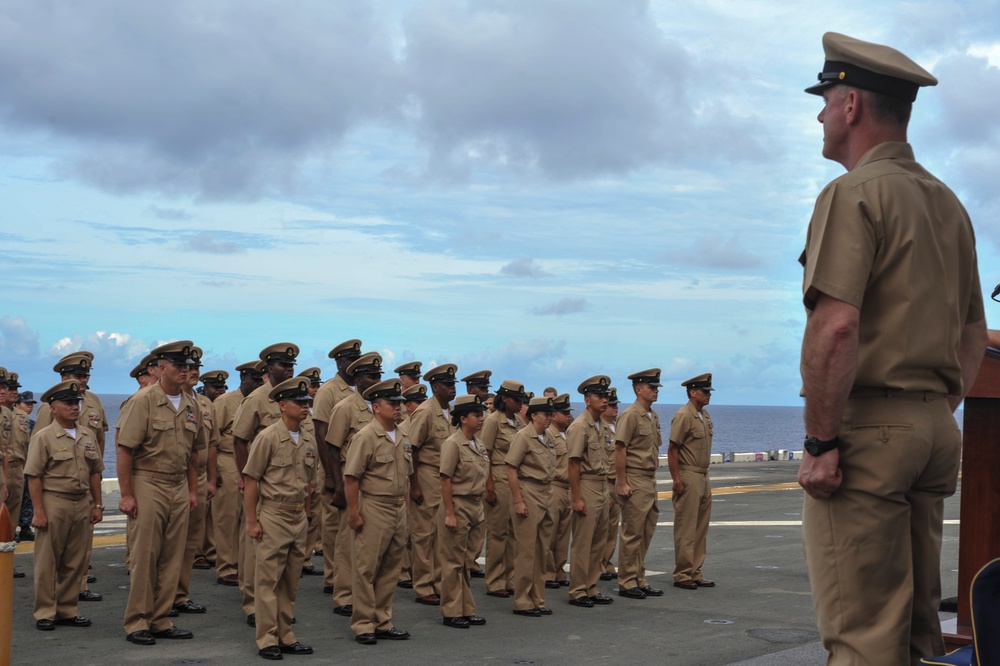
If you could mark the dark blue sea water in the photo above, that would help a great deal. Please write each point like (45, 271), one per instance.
(737, 428)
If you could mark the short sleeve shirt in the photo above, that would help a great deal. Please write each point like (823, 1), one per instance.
(225, 413)
(381, 466)
(256, 413)
(559, 447)
(91, 415)
(427, 430)
(64, 463)
(498, 433)
(692, 435)
(466, 463)
(20, 433)
(162, 439)
(533, 456)
(328, 395)
(284, 469)
(639, 431)
(349, 416)
(585, 441)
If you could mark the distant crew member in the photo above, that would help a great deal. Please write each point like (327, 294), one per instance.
(213, 388)
(477, 384)
(409, 374)
(608, 419)
(314, 537)
(559, 509)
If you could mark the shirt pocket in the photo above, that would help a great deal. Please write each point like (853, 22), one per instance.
(162, 426)
(61, 456)
(281, 461)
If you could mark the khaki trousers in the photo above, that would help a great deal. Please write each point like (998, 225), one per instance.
(692, 513)
(207, 547)
(343, 567)
(589, 537)
(424, 563)
(454, 547)
(158, 539)
(562, 526)
(315, 523)
(533, 534)
(404, 568)
(280, 554)
(639, 516)
(614, 515)
(499, 536)
(329, 529)
(15, 486)
(378, 549)
(227, 516)
(61, 556)
(195, 538)
(873, 549)
(247, 566)
(476, 549)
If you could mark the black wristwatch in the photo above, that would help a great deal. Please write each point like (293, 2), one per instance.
(817, 447)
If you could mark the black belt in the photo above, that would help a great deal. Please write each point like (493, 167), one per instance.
(76, 497)
(900, 394)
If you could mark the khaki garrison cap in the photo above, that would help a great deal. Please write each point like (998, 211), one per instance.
(280, 352)
(612, 396)
(252, 367)
(541, 405)
(481, 378)
(703, 382)
(312, 374)
(178, 352)
(416, 393)
(390, 389)
(296, 388)
(214, 378)
(411, 369)
(651, 377)
(346, 348)
(868, 66)
(560, 403)
(443, 373)
(599, 384)
(366, 364)
(77, 363)
(466, 404)
(68, 390)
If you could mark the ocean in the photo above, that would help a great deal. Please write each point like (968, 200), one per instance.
(737, 428)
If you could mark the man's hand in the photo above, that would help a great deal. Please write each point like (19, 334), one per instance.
(521, 509)
(39, 520)
(210, 492)
(416, 495)
(96, 515)
(820, 476)
(451, 522)
(678, 488)
(254, 530)
(580, 507)
(490, 497)
(624, 490)
(337, 499)
(128, 506)
(355, 521)
(192, 502)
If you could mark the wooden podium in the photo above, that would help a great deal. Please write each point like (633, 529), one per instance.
(979, 533)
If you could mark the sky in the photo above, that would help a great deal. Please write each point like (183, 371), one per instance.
(550, 189)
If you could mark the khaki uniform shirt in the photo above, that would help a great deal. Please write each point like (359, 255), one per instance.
(63, 463)
(498, 433)
(285, 470)
(381, 466)
(20, 434)
(692, 435)
(608, 433)
(349, 416)
(466, 463)
(639, 431)
(329, 394)
(208, 432)
(532, 455)
(255, 413)
(895, 242)
(6, 429)
(226, 406)
(585, 440)
(427, 430)
(559, 447)
(91, 416)
(161, 439)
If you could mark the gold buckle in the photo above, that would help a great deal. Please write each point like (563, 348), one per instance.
(300, 507)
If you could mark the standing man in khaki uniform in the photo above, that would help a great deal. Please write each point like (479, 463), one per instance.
(313, 375)
(464, 468)
(376, 480)
(608, 419)
(637, 456)
(228, 508)
(531, 464)
(17, 447)
(477, 384)
(409, 374)
(559, 509)
(64, 477)
(280, 471)
(588, 485)
(348, 417)
(429, 426)
(689, 455)
(499, 430)
(256, 413)
(413, 397)
(893, 341)
(214, 387)
(157, 448)
(329, 394)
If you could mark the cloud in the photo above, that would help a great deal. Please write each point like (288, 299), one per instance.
(525, 267)
(17, 341)
(709, 251)
(168, 213)
(211, 244)
(563, 306)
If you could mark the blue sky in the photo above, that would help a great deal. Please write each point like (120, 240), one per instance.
(549, 189)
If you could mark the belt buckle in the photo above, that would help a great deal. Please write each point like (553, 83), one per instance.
(400, 500)
(300, 506)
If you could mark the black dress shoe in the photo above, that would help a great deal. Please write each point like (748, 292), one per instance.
(531, 612)
(45, 625)
(632, 593)
(296, 648)
(475, 619)
(429, 600)
(582, 602)
(318, 553)
(311, 571)
(87, 595)
(704, 583)
(405, 584)
(252, 620)
(173, 632)
(272, 652)
(686, 584)
(366, 639)
(91, 579)
(141, 638)
(601, 599)
(345, 610)
(76, 621)
(552, 585)
(18, 573)
(563, 583)
(542, 610)
(503, 594)
(173, 612)
(477, 573)
(393, 634)
(232, 580)
(189, 607)
(607, 576)
(202, 564)
(328, 589)
(652, 591)
(456, 622)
